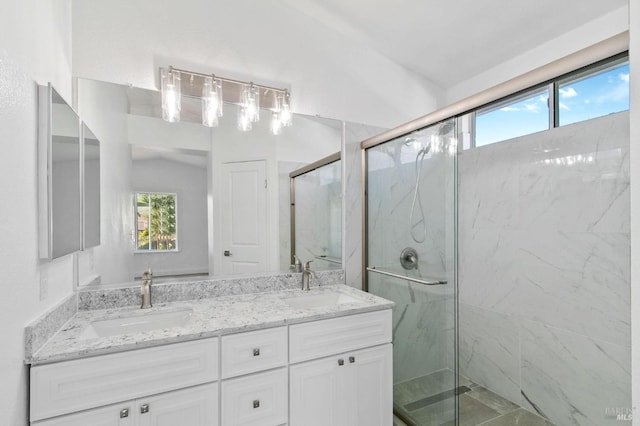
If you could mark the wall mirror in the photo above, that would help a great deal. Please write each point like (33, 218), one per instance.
(316, 212)
(59, 176)
(91, 188)
(231, 188)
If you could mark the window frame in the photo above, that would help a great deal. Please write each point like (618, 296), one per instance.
(137, 250)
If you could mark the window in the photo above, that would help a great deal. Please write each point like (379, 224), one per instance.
(517, 116)
(593, 94)
(594, 91)
(156, 222)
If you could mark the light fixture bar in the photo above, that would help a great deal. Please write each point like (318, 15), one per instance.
(229, 80)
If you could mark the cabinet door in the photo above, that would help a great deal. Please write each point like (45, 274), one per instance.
(318, 397)
(113, 415)
(370, 381)
(197, 406)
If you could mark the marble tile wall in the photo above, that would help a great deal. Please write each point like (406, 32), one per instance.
(354, 134)
(544, 265)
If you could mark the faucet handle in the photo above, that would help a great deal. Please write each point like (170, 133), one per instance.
(306, 264)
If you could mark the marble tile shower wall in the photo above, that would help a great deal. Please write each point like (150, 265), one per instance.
(421, 315)
(544, 278)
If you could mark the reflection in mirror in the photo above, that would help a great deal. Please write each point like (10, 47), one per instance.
(142, 153)
(60, 190)
(317, 210)
(91, 188)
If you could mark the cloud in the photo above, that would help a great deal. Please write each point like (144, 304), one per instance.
(564, 107)
(532, 108)
(569, 92)
(543, 99)
(624, 77)
(508, 109)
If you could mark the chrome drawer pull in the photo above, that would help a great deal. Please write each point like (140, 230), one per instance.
(256, 352)
(341, 361)
(352, 359)
(124, 413)
(144, 408)
(256, 403)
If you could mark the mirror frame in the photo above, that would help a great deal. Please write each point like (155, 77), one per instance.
(83, 183)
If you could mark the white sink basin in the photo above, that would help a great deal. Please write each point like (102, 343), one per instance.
(321, 300)
(137, 323)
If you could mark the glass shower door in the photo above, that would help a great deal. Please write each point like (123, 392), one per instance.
(410, 258)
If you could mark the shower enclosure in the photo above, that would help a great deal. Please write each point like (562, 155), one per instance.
(410, 256)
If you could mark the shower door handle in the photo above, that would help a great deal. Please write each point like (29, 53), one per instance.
(404, 277)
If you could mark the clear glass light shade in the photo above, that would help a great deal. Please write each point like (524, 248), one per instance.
(244, 120)
(171, 95)
(211, 102)
(285, 110)
(251, 102)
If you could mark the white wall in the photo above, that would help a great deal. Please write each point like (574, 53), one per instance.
(125, 42)
(35, 44)
(588, 34)
(634, 120)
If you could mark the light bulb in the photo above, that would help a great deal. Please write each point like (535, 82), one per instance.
(244, 121)
(171, 96)
(251, 102)
(285, 110)
(276, 124)
(210, 103)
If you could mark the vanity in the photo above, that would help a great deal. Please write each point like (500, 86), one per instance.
(278, 357)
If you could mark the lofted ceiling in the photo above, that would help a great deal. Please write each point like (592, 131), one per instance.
(428, 36)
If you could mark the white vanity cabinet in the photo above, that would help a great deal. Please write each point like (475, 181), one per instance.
(326, 372)
(352, 388)
(151, 385)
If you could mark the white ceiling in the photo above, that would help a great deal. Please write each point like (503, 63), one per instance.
(448, 42)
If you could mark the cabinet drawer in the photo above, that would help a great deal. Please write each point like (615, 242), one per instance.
(76, 385)
(337, 335)
(255, 400)
(253, 351)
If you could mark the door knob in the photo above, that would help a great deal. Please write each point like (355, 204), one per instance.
(227, 253)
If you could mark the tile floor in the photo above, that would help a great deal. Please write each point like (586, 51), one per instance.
(430, 401)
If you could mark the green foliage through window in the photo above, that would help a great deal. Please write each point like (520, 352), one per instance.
(156, 221)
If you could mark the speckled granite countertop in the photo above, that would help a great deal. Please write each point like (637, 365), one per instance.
(210, 317)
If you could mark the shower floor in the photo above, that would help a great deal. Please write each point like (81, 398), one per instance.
(430, 401)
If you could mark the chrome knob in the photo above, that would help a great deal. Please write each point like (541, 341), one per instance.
(144, 408)
(124, 413)
(352, 359)
(341, 361)
(256, 351)
(256, 403)
(227, 253)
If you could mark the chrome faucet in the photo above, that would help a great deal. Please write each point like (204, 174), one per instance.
(145, 290)
(307, 273)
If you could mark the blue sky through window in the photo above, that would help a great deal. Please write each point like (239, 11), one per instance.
(587, 97)
(519, 118)
(594, 96)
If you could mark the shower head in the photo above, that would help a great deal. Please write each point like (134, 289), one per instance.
(416, 144)
(446, 128)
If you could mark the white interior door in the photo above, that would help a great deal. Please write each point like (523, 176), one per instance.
(243, 217)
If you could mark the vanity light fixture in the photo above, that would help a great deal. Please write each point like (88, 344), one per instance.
(214, 90)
